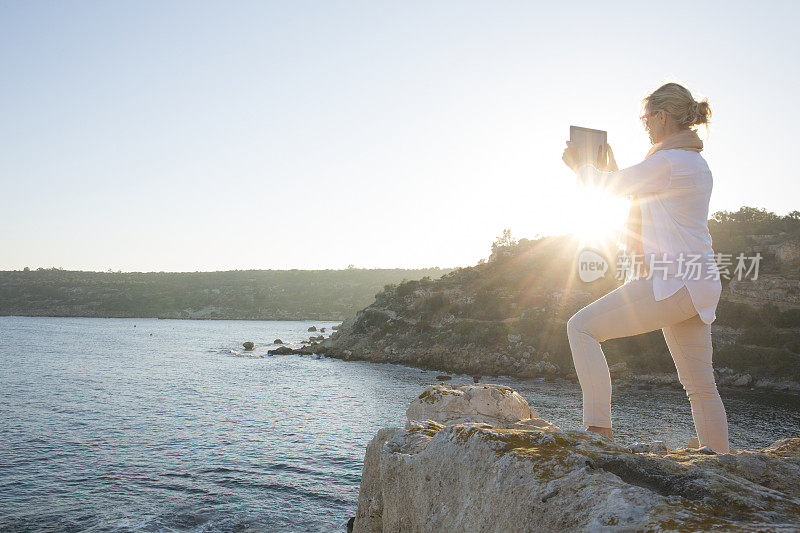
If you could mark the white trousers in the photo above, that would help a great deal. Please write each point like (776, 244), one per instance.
(631, 309)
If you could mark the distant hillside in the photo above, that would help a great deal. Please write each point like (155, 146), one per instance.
(508, 315)
(240, 294)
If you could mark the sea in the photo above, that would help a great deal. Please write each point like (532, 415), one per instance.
(169, 425)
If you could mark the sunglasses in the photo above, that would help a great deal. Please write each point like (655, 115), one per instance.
(646, 118)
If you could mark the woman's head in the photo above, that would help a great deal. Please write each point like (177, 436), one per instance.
(672, 108)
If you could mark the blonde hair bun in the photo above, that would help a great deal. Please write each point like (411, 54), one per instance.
(703, 112)
(678, 102)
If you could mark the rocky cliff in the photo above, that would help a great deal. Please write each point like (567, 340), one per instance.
(478, 458)
(508, 316)
(505, 316)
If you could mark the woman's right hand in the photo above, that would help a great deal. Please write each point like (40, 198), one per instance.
(570, 157)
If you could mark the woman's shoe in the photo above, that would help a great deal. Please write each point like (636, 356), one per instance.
(605, 432)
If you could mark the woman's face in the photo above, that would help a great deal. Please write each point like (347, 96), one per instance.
(655, 123)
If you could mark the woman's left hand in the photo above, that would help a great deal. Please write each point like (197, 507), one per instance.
(610, 165)
(570, 157)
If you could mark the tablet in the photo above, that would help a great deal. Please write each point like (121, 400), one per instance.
(589, 143)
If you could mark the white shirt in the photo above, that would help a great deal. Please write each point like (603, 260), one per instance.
(674, 188)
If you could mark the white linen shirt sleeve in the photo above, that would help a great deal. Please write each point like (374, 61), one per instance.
(651, 175)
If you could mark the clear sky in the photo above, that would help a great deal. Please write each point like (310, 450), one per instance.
(185, 136)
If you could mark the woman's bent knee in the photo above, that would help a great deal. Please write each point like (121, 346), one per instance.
(574, 328)
(572, 323)
(577, 325)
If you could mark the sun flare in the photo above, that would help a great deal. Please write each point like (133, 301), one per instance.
(595, 216)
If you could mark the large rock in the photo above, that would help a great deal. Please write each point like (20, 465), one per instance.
(496, 405)
(473, 476)
(282, 350)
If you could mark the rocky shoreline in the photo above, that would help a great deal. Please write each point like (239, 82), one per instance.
(621, 376)
(507, 317)
(476, 457)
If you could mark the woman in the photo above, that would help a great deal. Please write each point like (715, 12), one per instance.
(668, 229)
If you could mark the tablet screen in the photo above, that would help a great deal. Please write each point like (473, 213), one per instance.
(589, 143)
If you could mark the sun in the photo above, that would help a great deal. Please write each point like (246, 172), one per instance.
(595, 216)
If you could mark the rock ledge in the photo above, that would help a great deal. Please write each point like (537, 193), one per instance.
(477, 458)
